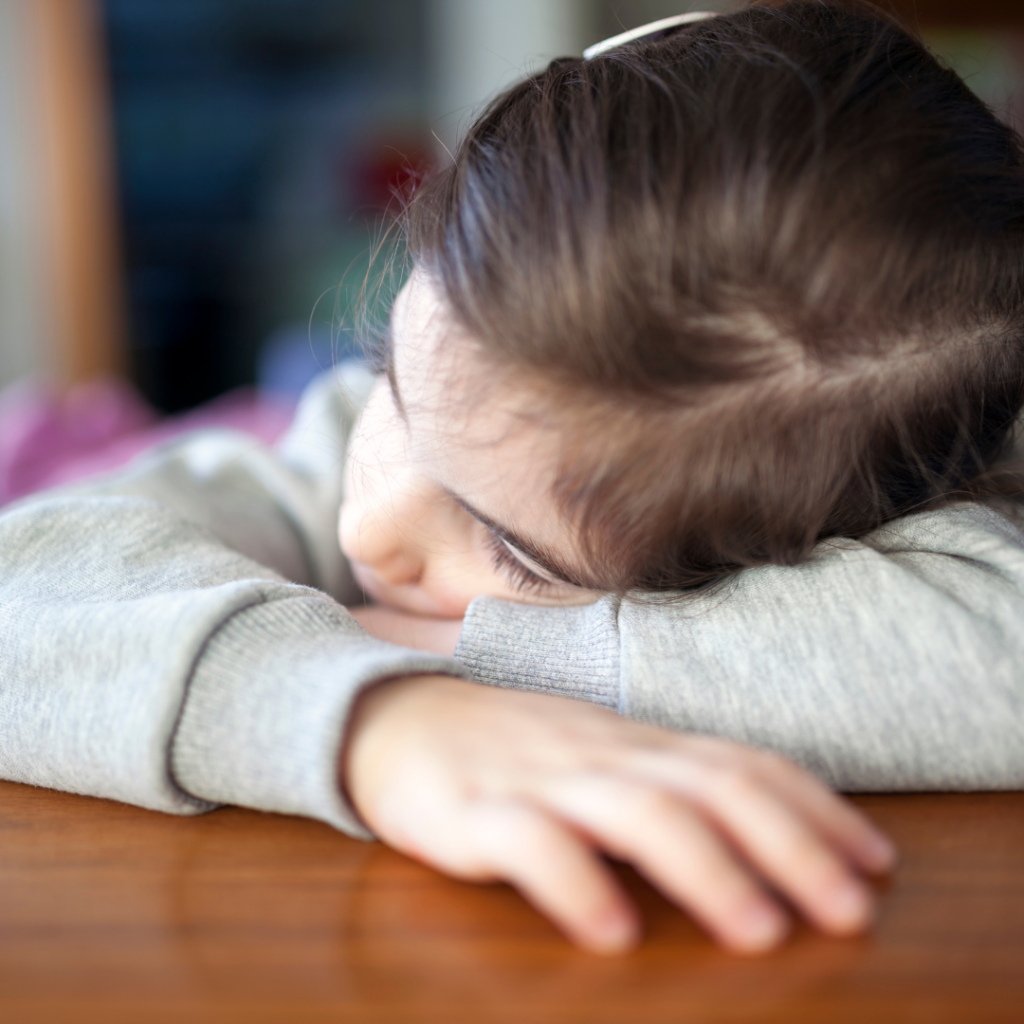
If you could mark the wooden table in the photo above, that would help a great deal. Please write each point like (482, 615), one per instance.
(109, 913)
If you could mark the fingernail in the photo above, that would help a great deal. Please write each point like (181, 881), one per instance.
(615, 932)
(762, 927)
(880, 853)
(850, 905)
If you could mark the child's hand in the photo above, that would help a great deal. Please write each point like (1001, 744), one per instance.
(439, 636)
(496, 784)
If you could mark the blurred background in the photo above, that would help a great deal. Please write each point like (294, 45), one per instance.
(189, 188)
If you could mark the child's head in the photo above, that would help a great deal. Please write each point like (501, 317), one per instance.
(729, 292)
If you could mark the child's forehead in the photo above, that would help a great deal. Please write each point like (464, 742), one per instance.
(433, 364)
(421, 323)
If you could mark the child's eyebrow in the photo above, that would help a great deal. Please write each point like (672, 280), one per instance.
(545, 561)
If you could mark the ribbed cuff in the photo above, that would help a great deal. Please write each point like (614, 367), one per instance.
(265, 715)
(571, 652)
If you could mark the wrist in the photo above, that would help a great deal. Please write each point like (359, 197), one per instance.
(440, 636)
(376, 736)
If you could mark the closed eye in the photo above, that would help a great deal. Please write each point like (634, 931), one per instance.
(557, 577)
(521, 576)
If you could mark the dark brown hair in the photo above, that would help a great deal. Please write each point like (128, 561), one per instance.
(774, 262)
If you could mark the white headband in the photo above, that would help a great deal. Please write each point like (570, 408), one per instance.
(645, 30)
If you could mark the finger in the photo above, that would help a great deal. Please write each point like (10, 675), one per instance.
(847, 827)
(677, 850)
(776, 838)
(840, 823)
(557, 872)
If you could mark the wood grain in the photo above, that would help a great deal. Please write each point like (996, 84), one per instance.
(110, 913)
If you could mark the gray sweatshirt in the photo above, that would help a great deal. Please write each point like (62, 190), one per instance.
(174, 637)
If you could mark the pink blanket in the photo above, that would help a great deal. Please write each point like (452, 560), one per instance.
(47, 439)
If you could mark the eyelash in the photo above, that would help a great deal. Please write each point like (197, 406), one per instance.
(522, 578)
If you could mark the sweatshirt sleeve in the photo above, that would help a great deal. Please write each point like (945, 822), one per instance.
(170, 637)
(893, 663)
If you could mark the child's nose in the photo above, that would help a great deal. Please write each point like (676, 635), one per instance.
(379, 544)
(399, 569)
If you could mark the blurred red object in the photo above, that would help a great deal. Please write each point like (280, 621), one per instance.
(386, 171)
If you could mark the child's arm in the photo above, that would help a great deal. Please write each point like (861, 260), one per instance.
(153, 648)
(891, 664)
(144, 661)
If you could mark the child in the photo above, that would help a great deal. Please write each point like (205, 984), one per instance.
(703, 339)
